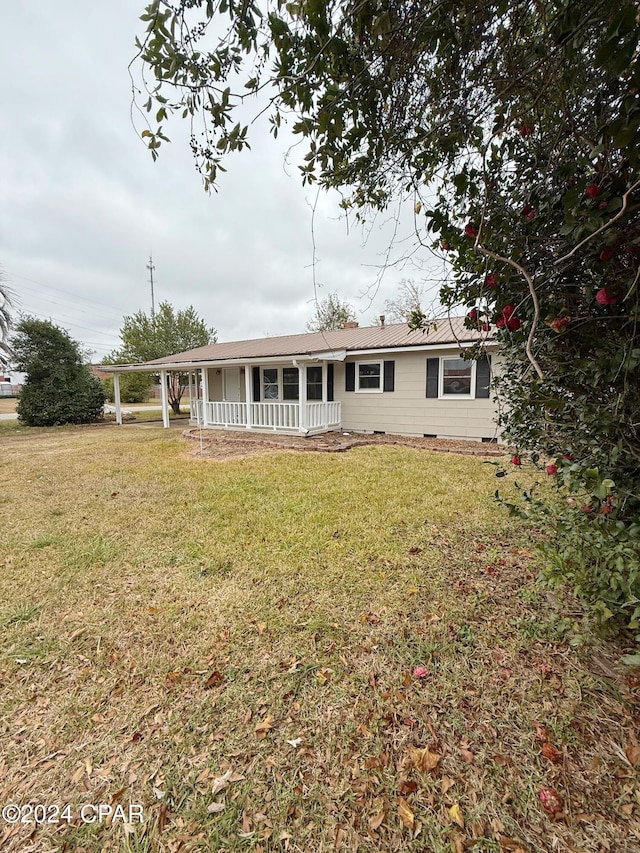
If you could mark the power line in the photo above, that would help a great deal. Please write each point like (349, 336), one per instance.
(66, 321)
(60, 290)
(33, 292)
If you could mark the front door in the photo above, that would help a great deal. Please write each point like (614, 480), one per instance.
(231, 380)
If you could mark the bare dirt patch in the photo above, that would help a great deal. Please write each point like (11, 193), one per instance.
(225, 444)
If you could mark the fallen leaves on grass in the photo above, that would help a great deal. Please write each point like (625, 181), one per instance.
(406, 815)
(633, 754)
(551, 752)
(214, 680)
(455, 813)
(227, 778)
(423, 760)
(382, 753)
(323, 675)
(542, 732)
(376, 820)
(263, 727)
(510, 845)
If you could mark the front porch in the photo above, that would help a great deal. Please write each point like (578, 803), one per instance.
(289, 396)
(292, 417)
(281, 395)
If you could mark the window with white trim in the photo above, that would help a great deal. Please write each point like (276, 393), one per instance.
(288, 379)
(457, 377)
(369, 376)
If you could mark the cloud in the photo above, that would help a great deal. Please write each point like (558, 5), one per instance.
(82, 205)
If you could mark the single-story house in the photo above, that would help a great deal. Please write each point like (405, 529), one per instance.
(384, 379)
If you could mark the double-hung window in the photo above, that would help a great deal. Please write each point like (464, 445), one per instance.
(369, 376)
(314, 383)
(270, 386)
(457, 377)
(290, 390)
(288, 379)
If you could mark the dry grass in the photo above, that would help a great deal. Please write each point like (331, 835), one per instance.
(232, 645)
(7, 405)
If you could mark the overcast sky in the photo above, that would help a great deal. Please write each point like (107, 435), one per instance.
(82, 205)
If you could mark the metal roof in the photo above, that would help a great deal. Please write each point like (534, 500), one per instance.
(335, 344)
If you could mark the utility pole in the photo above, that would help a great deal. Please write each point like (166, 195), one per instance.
(151, 268)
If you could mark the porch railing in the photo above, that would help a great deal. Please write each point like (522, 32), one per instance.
(227, 414)
(322, 414)
(275, 416)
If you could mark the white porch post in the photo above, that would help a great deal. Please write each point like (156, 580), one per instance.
(190, 392)
(199, 394)
(165, 399)
(247, 393)
(325, 395)
(302, 395)
(205, 394)
(116, 397)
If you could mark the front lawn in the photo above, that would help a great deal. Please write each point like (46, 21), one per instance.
(294, 652)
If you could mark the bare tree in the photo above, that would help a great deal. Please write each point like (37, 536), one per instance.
(409, 299)
(331, 313)
(5, 320)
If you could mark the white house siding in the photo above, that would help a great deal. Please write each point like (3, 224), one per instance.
(407, 410)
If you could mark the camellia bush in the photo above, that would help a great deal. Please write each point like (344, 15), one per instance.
(512, 129)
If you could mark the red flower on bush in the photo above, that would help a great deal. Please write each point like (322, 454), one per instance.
(508, 319)
(526, 128)
(551, 470)
(471, 230)
(560, 323)
(472, 316)
(593, 191)
(516, 460)
(603, 205)
(485, 327)
(528, 212)
(446, 246)
(607, 297)
(606, 254)
(491, 280)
